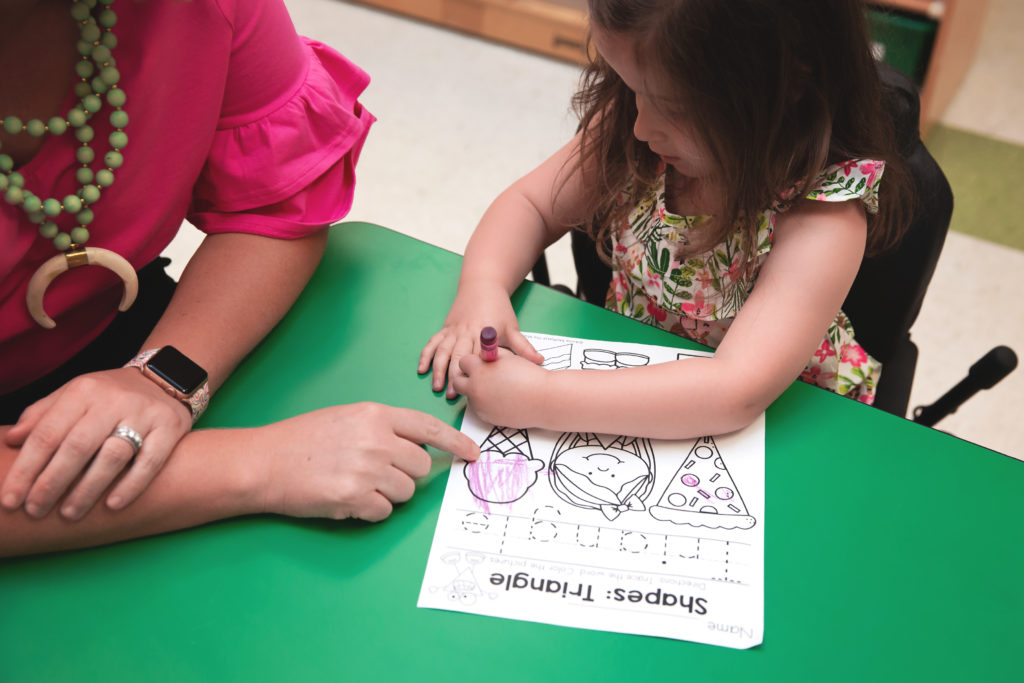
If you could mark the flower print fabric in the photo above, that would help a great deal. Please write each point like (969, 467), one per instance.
(699, 297)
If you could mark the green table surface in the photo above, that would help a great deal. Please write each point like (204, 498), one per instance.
(892, 551)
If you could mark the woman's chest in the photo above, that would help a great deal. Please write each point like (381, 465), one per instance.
(38, 54)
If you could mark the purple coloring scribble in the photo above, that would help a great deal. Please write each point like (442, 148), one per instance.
(498, 477)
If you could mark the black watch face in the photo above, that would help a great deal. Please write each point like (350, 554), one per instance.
(176, 369)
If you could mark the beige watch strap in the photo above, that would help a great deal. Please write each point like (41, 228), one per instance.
(196, 403)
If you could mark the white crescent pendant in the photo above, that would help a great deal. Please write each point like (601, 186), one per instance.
(73, 258)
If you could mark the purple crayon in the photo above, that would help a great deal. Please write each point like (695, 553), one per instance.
(489, 344)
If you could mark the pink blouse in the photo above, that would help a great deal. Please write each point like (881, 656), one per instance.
(236, 123)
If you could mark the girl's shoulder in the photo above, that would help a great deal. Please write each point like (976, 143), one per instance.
(853, 179)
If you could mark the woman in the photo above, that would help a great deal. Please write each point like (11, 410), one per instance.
(214, 111)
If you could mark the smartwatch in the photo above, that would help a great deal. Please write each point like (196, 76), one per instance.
(176, 374)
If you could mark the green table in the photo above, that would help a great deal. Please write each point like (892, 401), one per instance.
(893, 552)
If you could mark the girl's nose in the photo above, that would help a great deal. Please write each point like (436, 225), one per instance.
(641, 126)
(640, 130)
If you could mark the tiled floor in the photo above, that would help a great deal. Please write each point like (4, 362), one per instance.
(461, 118)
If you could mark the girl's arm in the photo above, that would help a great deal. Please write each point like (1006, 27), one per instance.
(815, 255)
(338, 462)
(527, 217)
(234, 290)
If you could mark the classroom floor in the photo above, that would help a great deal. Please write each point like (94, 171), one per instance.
(460, 118)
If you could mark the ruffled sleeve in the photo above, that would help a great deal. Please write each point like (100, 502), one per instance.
(855, 179)
(292, 169)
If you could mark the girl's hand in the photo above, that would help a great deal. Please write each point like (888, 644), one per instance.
(475, 307)
(351, 460)
(67, 445)
(510, 392)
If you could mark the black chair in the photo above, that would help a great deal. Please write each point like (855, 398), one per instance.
(886, 295)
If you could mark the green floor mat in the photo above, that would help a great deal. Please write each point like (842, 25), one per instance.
(987, 177)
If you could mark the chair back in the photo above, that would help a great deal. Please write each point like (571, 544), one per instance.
(886, 295)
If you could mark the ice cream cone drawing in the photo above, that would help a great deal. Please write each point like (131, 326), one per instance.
(506, 469)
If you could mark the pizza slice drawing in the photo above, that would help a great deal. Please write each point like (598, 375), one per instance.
(703, 493)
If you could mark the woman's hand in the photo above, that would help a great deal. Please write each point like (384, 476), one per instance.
(343, 461)
(67, 446)
(476, 306)
(510, 391)
(351, 460)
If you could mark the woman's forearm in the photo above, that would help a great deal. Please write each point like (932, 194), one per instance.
(211, 475)
(234, 290)
(353, 460)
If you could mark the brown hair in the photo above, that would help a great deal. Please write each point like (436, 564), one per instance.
(776, 90)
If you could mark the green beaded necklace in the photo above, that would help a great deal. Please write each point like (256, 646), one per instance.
(98, 77)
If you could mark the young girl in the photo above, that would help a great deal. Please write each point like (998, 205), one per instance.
(729, 158)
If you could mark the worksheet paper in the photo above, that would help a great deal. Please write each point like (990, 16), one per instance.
(599, 531)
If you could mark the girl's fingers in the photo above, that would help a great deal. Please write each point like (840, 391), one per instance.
(465, 371)
(428, 352)
(460, 384)
(442, 356)
(470, 362)
(522, 347)
(463, 347)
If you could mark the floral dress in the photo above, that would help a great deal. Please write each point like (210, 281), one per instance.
(699, 298)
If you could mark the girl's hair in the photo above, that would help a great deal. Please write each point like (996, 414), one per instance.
(775, 89)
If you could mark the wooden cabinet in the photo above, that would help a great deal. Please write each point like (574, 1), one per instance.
(558, 28)
(956, 41)
(552, 27)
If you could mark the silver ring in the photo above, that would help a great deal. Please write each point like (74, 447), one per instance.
(131, 436)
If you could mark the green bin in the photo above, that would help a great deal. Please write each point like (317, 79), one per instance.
(902, 40)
